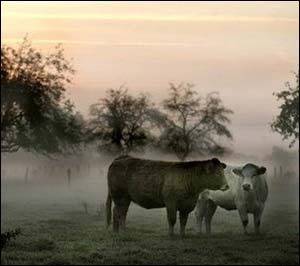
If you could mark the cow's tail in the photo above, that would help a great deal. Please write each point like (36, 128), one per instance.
(108, 209)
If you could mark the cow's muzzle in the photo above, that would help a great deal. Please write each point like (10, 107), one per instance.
(247, 187)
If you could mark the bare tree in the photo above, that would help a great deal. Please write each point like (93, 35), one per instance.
(192, 122)
(121, 122)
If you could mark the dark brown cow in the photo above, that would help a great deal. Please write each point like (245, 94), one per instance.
(158, 184)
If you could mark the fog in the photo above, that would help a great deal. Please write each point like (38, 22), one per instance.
(33, 179)
(58, 215)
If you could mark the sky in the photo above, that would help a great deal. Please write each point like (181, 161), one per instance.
(245, 50)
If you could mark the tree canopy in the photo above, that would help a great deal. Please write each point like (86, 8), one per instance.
(120, 121)
(193, 122)
(287, 122)
(35, 114)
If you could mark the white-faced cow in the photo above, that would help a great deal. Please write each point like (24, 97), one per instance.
(247, 193)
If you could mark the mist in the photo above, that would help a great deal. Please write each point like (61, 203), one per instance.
(28, 178)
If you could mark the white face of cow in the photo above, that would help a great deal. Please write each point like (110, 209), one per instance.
(248, 175)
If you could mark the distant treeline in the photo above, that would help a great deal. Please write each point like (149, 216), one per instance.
(37, 116)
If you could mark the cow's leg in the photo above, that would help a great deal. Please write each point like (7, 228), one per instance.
(116, 218)
(257, 217)
(200, 214)
(183, 216)
(123, 213)
(210, 211)
(244, 218)
(120, 212)
(171, 212)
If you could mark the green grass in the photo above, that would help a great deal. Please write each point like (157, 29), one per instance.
(56, 231)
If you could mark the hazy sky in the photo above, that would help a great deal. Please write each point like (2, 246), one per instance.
(244, 50)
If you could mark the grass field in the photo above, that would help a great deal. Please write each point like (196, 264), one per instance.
(57, 230)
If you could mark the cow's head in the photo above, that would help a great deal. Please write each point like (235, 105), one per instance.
(217, 170)
(248, 175)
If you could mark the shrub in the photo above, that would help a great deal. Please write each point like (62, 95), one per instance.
(8, 236)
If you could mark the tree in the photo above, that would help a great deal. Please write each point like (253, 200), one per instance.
(193, 123)
(35, 115)
(287, 122)
(121, 122)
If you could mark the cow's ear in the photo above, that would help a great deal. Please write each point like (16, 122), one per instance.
(237, 171)
(261, 170)
(215, 160)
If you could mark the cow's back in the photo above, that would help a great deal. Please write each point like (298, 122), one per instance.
(152, 184)
(141, 180)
